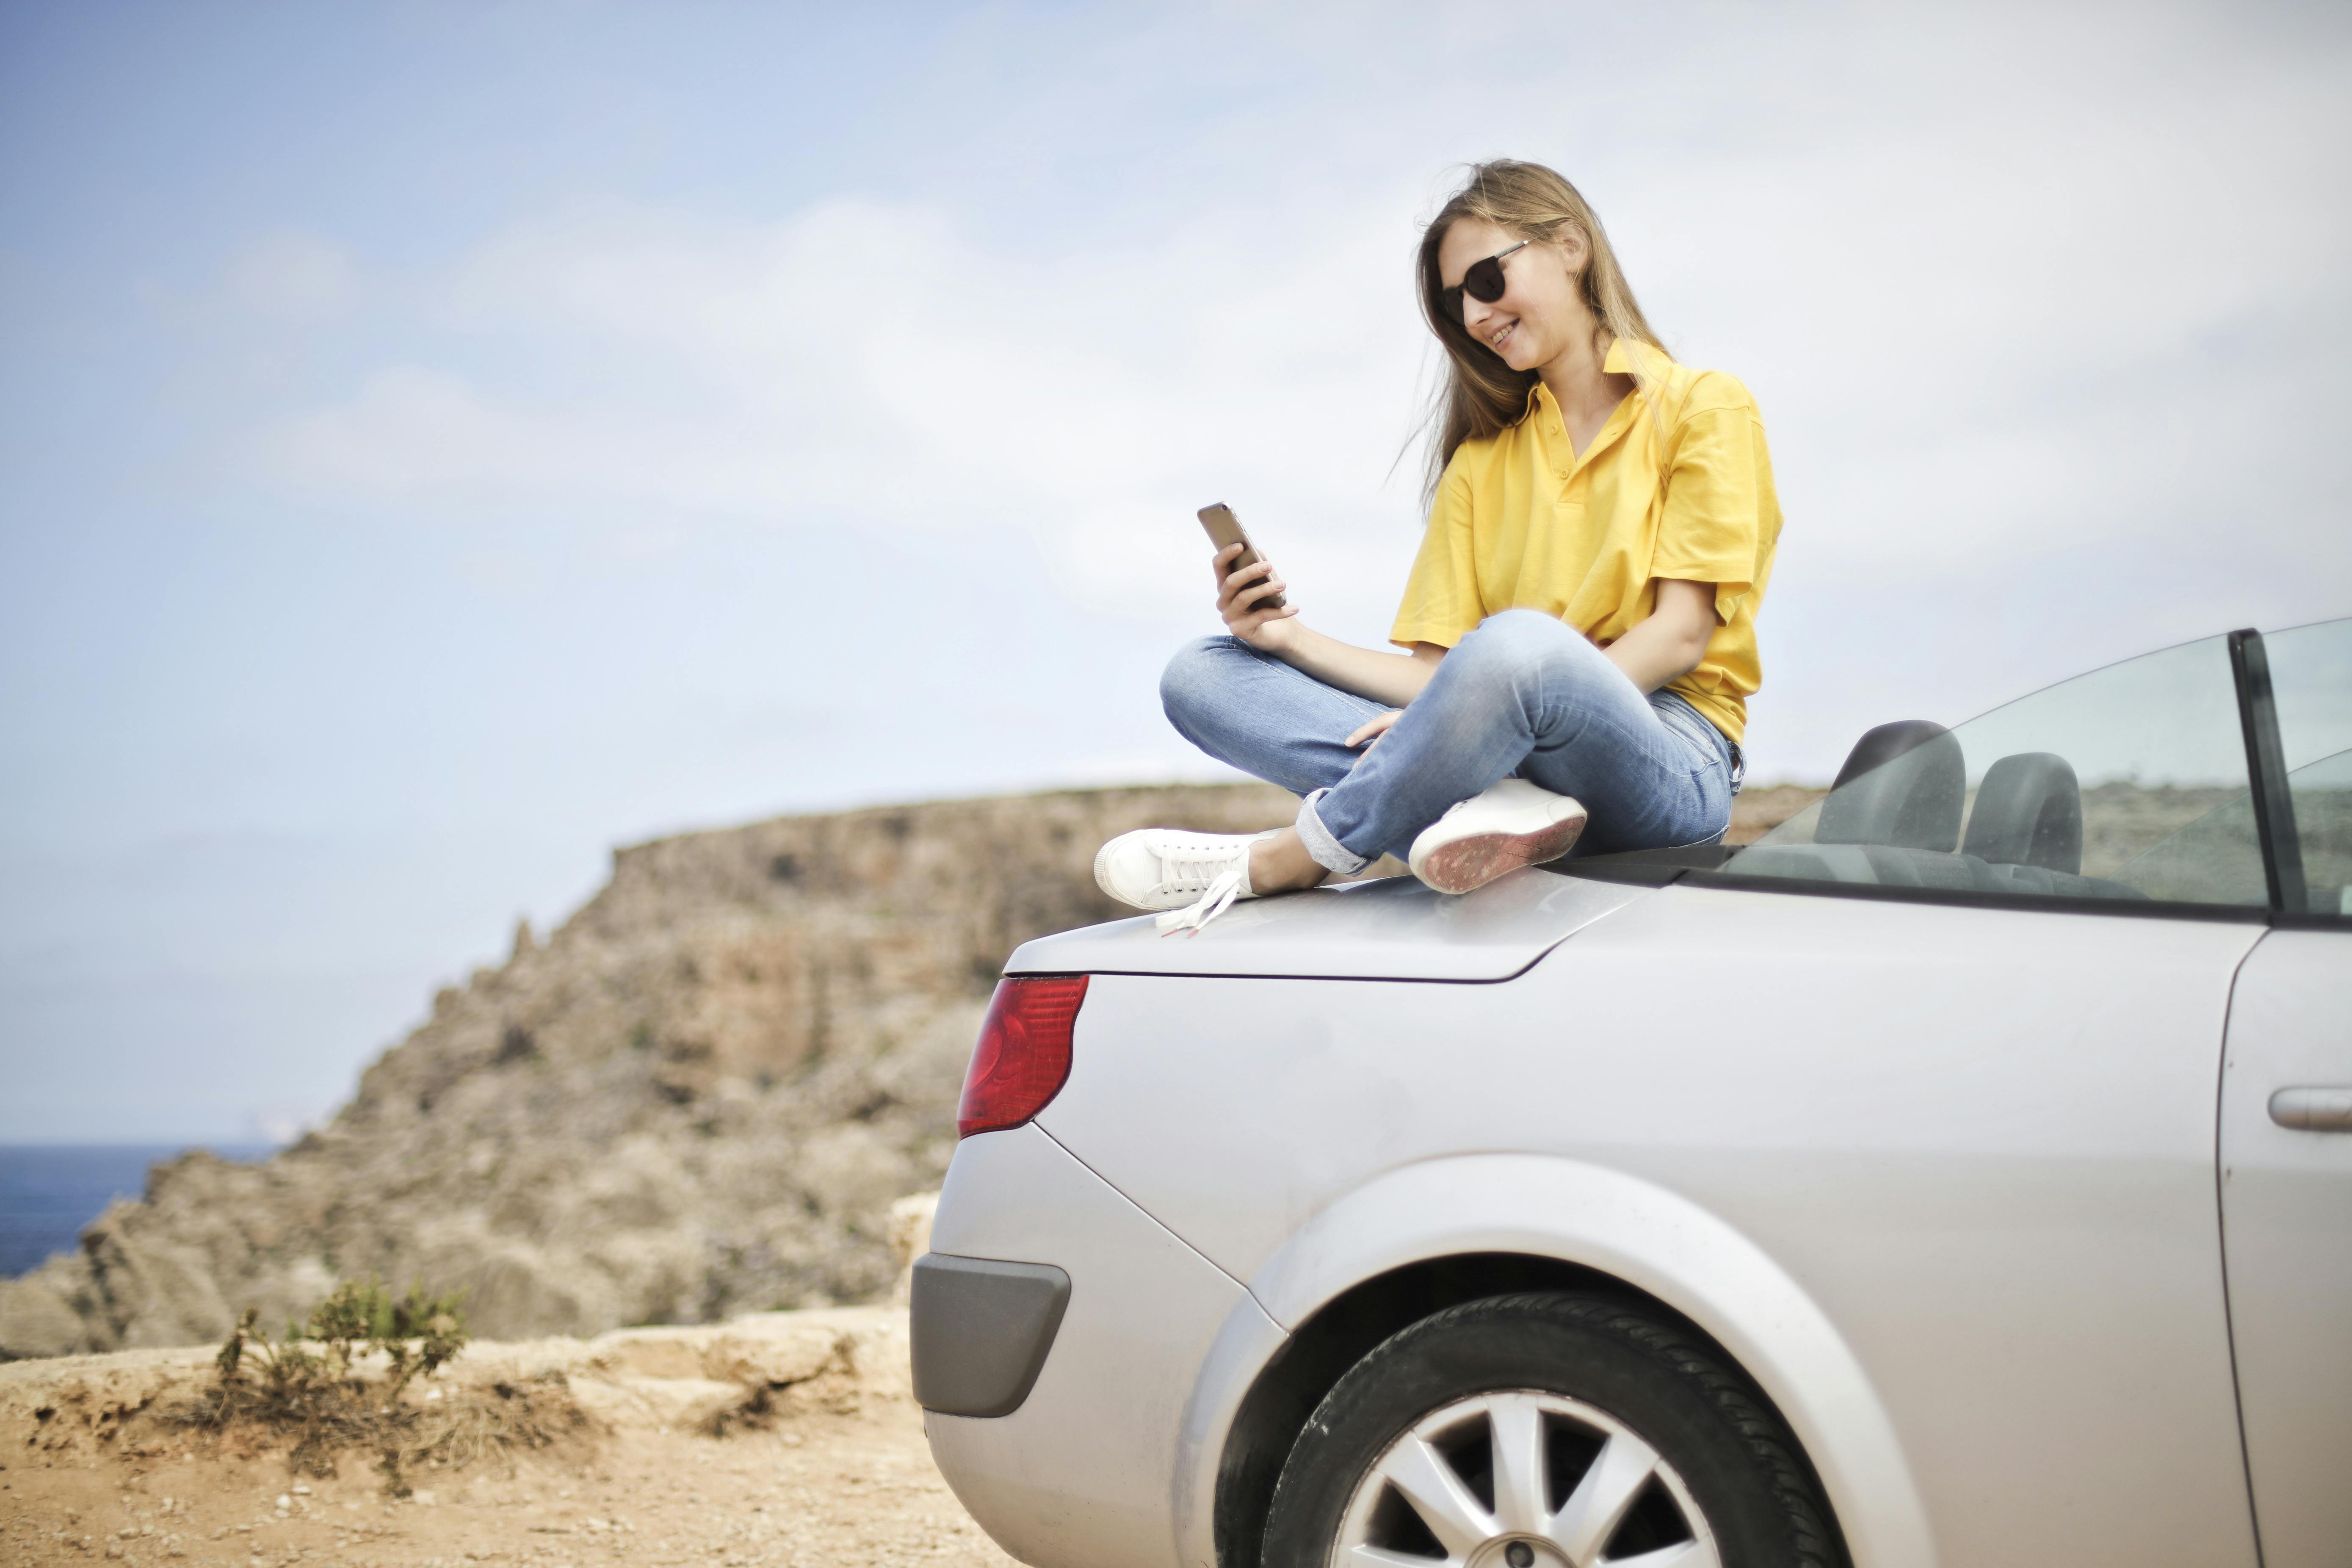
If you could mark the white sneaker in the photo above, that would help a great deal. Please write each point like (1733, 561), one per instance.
(1514, 824)
(1195, 876)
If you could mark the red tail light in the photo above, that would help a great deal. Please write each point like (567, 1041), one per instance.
(1024, 1056)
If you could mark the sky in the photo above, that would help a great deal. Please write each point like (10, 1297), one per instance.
(440, 443)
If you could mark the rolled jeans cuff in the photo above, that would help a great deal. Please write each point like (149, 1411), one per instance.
(1328, 852)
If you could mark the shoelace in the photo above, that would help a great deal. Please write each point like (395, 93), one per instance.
(1199, 868)
(1216, 901)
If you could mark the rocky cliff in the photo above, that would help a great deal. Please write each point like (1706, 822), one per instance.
(699, 1098)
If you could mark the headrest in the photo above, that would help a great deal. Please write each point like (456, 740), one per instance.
(1902, 784)
(2029, 812)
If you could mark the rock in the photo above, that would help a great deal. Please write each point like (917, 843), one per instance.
(910, 1237)
(700, 1096)
(779, 1348)
(154, 1293)
(769, 1350)
(513, 1291)
(37, 1319)
(760, 1367)
(681, 1404)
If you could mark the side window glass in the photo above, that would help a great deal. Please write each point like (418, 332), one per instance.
(2311, 683)
(2128, 783)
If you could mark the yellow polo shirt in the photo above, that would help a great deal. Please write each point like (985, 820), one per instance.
(1524, 521)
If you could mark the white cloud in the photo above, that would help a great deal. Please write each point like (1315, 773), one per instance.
(863, 359)
(292, 277)
(2012, 287)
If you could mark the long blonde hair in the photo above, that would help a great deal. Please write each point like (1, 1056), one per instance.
(1481, 396)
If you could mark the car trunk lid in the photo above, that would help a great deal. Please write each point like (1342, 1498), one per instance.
(1392, 929)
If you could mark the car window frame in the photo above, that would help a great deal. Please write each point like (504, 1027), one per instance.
(1700, 866)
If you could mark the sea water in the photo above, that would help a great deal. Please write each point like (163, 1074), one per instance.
(49, 1192)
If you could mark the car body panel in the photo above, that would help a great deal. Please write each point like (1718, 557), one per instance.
(1243, 1348)
(1388, 928)
(1981, 1142)
(2286, 1210)
(1054, 1482)
(1539, 1205)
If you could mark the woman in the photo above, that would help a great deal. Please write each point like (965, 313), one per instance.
(1580, 624)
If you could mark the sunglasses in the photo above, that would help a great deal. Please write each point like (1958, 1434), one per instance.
(1484, 282)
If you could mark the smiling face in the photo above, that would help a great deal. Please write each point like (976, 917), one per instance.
(1541, 314)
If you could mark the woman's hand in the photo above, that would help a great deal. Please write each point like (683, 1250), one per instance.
(1371, 730)
(1239, 593)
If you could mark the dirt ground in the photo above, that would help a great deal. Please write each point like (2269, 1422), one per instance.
(773, 1440)
(819, 1490)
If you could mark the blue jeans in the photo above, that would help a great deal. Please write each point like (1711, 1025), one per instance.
(1522, 696)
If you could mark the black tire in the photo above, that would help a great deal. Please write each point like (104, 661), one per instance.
(1735, 1459)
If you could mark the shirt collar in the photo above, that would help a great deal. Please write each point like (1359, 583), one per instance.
(1626, 357)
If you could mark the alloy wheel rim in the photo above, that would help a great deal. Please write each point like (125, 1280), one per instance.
(1522, 1479)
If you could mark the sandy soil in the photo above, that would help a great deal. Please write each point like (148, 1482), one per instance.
(822, 1490)
(777, 1440)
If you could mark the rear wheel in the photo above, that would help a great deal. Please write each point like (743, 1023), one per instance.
(1549, 1430)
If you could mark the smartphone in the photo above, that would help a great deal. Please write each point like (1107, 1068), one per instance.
(1225, 529)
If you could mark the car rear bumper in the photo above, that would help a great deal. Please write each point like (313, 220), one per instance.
(1083, 1473)
(982, 1331)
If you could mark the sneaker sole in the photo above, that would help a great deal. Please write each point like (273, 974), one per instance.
(1471, 862)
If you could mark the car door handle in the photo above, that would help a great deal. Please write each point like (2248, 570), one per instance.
(2313, 1110)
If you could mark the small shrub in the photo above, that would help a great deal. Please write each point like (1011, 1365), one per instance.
(416, 1334)
(314, 1385)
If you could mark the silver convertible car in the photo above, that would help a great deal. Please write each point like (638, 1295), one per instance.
(1960, 1175)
